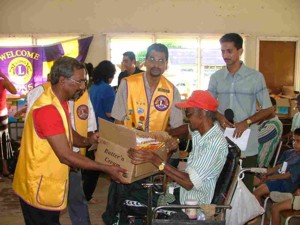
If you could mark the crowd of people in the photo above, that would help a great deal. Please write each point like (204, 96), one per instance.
(62, 122)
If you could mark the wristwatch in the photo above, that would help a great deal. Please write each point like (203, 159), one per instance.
(248, 121)
(161, 167)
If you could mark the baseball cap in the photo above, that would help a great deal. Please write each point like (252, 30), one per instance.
(200, 99)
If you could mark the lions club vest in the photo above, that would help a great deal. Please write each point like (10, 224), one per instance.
(40, 178)
(148, 116)
(81, 114)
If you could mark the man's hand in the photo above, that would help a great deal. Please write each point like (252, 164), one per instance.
(172, 145)
(93, 138)
(117, 174)
(141, 156)
(223, 121)
(240, 128)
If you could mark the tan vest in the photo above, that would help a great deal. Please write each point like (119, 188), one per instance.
(144, 116)
(40, 178)
(81, 114)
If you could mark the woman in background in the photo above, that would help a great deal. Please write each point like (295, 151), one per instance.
(5, 145)
(102, 96)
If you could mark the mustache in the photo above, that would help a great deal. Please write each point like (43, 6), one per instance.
(77, 95)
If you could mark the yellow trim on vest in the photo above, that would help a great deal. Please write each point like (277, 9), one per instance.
(140, 114)
(40, 178)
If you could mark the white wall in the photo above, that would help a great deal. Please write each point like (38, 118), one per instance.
(97, 17)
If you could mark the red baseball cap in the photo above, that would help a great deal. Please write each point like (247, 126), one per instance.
(200, 99)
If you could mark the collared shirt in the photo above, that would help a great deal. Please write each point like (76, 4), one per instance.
(126, 74)
(240, 93)
(204, 165)
(269, 134)
(120, 104)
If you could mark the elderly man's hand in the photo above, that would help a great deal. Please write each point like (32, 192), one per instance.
(140, 156)
(117, 173)
(172, 145)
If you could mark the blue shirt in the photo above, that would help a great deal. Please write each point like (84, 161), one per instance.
(240, 93)
(102, 96)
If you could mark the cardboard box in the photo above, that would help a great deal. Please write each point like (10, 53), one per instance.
(115, 140)
(286, 107)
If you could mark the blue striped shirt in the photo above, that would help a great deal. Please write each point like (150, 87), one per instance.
(240, 93)
(269, 134)
(205, 164)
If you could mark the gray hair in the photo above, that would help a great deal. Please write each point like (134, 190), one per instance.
(64, 66)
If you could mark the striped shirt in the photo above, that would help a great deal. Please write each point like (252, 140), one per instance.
(205, 164)
(269, 134)
(240, 93)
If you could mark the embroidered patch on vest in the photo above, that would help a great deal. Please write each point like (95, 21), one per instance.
(140, 110)
(82, 112)
(161, 103)
(163, 90)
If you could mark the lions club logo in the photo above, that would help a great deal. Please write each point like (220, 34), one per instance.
(82, 112)
(161, 103)
(20, 70)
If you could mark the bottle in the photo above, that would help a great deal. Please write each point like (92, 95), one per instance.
(191, 212)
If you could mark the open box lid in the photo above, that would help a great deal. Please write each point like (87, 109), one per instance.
(117, 134)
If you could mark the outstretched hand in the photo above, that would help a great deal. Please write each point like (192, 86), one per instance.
(140, 156)
(118, 174)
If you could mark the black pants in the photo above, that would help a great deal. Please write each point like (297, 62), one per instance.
(35, 216)
(90, 178)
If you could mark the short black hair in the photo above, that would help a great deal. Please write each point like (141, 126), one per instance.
(233, 37)
(159, 48)
(297, 132)
(273, 101)
(130, 55)
(103, 71)
(64, 66)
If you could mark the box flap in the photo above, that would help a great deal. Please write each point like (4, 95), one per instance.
(118, 134)
(283, 102)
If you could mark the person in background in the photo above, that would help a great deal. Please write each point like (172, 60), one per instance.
(207, 158)
(269, 134)
(129, 64)
(279, 178)
(6, 151)
(239, 88)
(90, 69)
(102, 97)
(42, 174)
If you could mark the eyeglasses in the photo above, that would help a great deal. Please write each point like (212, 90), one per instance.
(160, 61)
(82, 83)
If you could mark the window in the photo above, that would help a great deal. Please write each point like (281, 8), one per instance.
(192, 59)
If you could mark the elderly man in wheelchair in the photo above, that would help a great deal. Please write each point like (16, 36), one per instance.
(207, 158)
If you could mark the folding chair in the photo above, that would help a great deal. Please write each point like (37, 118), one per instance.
(277, 152)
